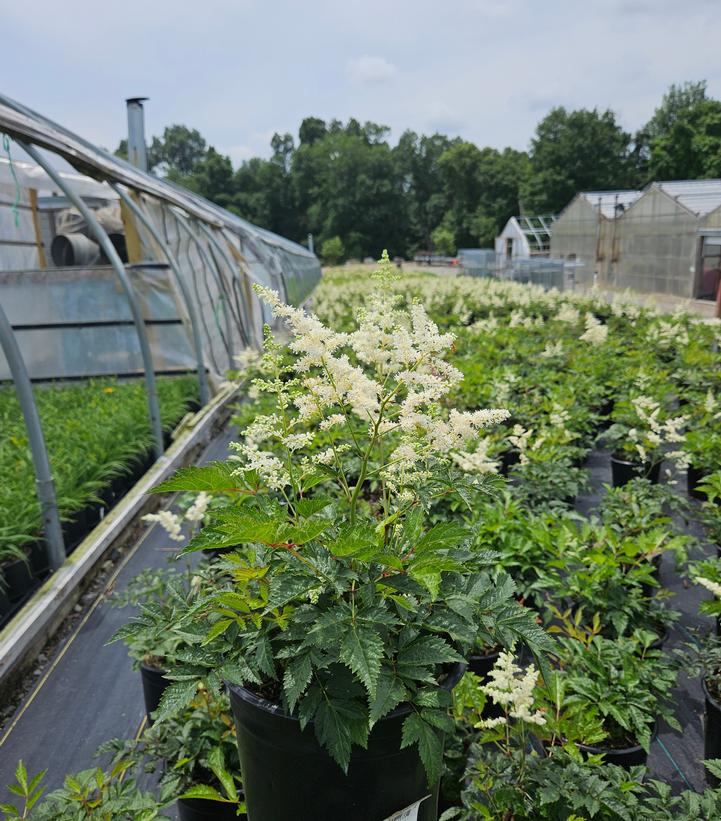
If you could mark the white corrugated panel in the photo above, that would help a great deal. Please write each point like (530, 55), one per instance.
(699, 196)
(608, 201)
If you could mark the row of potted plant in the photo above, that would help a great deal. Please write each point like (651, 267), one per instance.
(369, 551)
(98, 437)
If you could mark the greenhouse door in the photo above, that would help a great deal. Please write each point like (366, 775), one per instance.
(709, 271)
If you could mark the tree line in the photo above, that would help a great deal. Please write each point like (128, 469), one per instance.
(357, 194)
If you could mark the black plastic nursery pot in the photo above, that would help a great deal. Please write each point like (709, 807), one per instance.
(5, 605)
(39, 561)
(75, 529)
(288, 776)
(622, 472)
(712, 730)
(628, 757)
(509, 458)
(200, 809)
(693, 478)
(154, 685)
(482, 665)
(623, 757)
(18, 579)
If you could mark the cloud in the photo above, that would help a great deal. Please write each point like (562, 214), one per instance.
(370, 70)
(239, 153)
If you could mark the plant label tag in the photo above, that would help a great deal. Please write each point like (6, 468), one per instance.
(409, 813)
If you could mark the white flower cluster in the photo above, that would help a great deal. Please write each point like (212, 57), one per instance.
(595, 333)
(197, 510)
(568, 314)
(268, 466)
(666, 334)
(247, 358)
(552, 350)
(652, 432)
(476, 461)
(398, 385)
(714, 587)
(171, 522)
(520, 438)
(512, 688)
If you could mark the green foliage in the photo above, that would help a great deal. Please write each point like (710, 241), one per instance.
(575, 151)
(444, 241)
(90, 795)
(624, 681)
(157, 635)
(332, 251)
(345, 180)
(30, 791)
(94, 432)
(539, 788)
(683, 138)
(193, 752)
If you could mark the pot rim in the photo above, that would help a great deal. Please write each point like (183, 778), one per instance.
(489, 655)
(592, 748)
(161, 671)
(266, 706)
(640, 465)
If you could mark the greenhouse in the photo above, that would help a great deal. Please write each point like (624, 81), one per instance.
(588, 231)
(525, 236)
(665, 239)
(400, 546)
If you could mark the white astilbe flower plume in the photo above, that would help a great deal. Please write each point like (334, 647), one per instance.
(512, 688)
(595, 332)
(390, 373)
(710, 585)
(168, 520)
(199, 507)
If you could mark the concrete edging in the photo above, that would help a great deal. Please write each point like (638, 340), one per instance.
(25, 635)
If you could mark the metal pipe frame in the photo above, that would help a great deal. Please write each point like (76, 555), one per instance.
(247, 341)
(210, 265)
(147, 221)
(112, 255)
(43, 477)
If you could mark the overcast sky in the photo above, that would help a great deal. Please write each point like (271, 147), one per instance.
(238, 70)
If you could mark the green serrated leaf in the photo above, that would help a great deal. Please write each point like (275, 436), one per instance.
(216, 762)
(296, 679)
(390, 692)
(205, 792)
(362, 651)
(441, 537)
(175, 697)
(307, 507)
(417, 731)
(215, 477)
(427, 651)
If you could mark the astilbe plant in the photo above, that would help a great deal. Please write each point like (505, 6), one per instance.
(345, 603)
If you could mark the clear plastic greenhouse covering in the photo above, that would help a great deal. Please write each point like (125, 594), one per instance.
(73, 321)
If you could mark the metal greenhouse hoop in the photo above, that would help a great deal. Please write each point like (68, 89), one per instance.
(112, 255)
(43, 476)
(152, 229)
(213, 268)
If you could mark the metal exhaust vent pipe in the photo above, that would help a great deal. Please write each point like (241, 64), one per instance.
(68, 250)
(137, 151)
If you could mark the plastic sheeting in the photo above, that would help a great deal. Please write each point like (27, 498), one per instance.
(219, 257)
(76, 323)
(17, 231)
